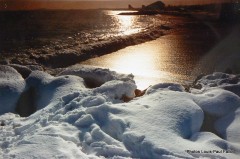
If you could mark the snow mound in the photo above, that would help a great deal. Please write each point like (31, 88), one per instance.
(47, 88)
(11, 86)
(95, 77)
(23, 70)
(117, 89)
(165, 86)
(228, 125)
(218, 102)
(75, 121)
(224, 81)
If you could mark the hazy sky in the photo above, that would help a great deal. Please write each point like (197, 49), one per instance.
(88, 4)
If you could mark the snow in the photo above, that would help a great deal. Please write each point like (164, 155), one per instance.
(219, 79)
(218, 102)
(116, 89)
(11, 86)
(48, 88)
(81, 113)
(228, 125)
(96, 76)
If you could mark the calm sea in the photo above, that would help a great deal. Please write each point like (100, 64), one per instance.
(30, 29)
(172, 58)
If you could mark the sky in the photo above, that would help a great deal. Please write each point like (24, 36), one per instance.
(87, 4)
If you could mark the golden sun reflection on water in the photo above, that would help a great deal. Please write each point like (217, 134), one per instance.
(138, 62)
(170, 58)
(146, 62)
(125, 22)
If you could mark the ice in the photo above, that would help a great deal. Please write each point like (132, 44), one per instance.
(82, 113)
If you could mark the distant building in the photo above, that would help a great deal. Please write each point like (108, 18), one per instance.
(155, 6)
(130, 7)
(152, 9)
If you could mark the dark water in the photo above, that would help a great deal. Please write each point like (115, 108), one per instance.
(195, 48)
(30, 29)
(192, 46)
(171, 58)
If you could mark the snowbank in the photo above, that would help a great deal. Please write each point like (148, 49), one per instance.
(218, 79)
(96, 76)
(11, 86)
(48, 88)
(73, 120)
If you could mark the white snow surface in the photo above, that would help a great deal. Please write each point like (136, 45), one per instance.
(73, 120)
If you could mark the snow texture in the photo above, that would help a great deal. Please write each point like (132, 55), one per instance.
(96, 76)
(11, 86)
(73, 120)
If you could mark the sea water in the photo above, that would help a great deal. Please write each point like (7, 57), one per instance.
(34, 29)
(171, 58)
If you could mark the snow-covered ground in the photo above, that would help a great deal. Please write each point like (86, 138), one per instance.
(81, 113)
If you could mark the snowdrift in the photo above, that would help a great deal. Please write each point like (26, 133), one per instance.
(66, 117)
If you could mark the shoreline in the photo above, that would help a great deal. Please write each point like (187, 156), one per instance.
(52, 55)
(55, 56)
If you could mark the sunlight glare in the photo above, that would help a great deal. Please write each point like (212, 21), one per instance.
(126, 23)
(139, 60)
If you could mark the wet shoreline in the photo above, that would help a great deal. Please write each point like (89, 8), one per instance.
(171, 58)
(57, 55)
(53, 56)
